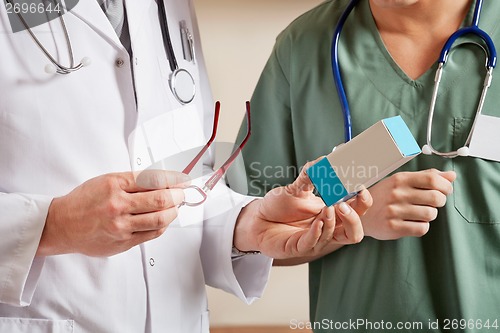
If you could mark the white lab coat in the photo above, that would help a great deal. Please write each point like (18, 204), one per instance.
(57, 131)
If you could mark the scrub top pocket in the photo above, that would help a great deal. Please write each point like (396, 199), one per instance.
(477, 187)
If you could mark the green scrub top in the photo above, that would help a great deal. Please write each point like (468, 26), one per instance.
(449, 277)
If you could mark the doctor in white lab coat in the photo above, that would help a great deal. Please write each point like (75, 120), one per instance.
(83, 247)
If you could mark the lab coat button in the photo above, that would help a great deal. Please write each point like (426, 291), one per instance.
(151, 262)
(119, 62)
(139, 161)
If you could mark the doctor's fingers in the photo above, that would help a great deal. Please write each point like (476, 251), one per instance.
(154, 180)
(327, 216)
(319, 233)
(144, 236)
(155, 221)
(153, 201)
(308, 239)
(349, 228)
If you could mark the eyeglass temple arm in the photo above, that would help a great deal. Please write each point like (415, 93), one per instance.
(191, 165)
(214, 179)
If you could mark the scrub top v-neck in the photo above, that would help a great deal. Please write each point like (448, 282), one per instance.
(453, 271)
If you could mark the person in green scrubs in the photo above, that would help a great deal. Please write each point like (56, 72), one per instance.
(409, 274)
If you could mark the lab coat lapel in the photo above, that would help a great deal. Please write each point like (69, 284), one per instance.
(91, 13)
(136, 10)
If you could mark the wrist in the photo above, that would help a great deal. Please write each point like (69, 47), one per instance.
(50, 241)
(244, 236)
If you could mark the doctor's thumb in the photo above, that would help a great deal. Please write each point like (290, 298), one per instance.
(303, 183)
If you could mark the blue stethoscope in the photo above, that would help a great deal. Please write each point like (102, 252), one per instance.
(473, 29)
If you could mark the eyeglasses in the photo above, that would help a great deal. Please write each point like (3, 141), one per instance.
(217, 175)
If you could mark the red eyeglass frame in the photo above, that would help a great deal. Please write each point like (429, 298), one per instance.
(221, 171)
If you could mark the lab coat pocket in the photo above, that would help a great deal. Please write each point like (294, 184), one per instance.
(22, 325)
(476, 189)
(205, 322)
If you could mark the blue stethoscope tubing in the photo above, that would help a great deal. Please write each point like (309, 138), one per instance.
(472, 29)
(337, 77)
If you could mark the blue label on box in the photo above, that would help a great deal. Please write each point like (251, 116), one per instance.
(402, 136)
(326, 182)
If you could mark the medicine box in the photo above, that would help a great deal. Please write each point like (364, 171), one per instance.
(363, 161)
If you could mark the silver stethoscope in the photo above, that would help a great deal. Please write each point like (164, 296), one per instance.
(55, 67)
(181, 81)
(473, 29)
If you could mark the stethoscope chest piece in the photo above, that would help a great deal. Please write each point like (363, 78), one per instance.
(183, 85)
(181, 81)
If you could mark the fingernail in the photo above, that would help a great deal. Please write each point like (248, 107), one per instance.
(363, 196)
(329, 213)
(321, 225)
(344, 208)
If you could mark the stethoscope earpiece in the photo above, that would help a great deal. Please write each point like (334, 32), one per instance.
(86, 61)
(50, 69)
(426, 150)
(464, 151)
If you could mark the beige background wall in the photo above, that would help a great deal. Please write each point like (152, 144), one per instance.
(237, 37)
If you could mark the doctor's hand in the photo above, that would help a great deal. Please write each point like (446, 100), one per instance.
(291, 222)
(405, 203)
(110, 214)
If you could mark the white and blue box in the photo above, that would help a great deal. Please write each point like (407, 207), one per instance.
(363, 161)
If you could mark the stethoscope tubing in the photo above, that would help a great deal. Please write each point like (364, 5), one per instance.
(184, 92)
(490, 46)
(470, 30)
(337, 76)
(56, 67)
(172, 60)
(167, 41)
(491, 60)
(473, 29)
